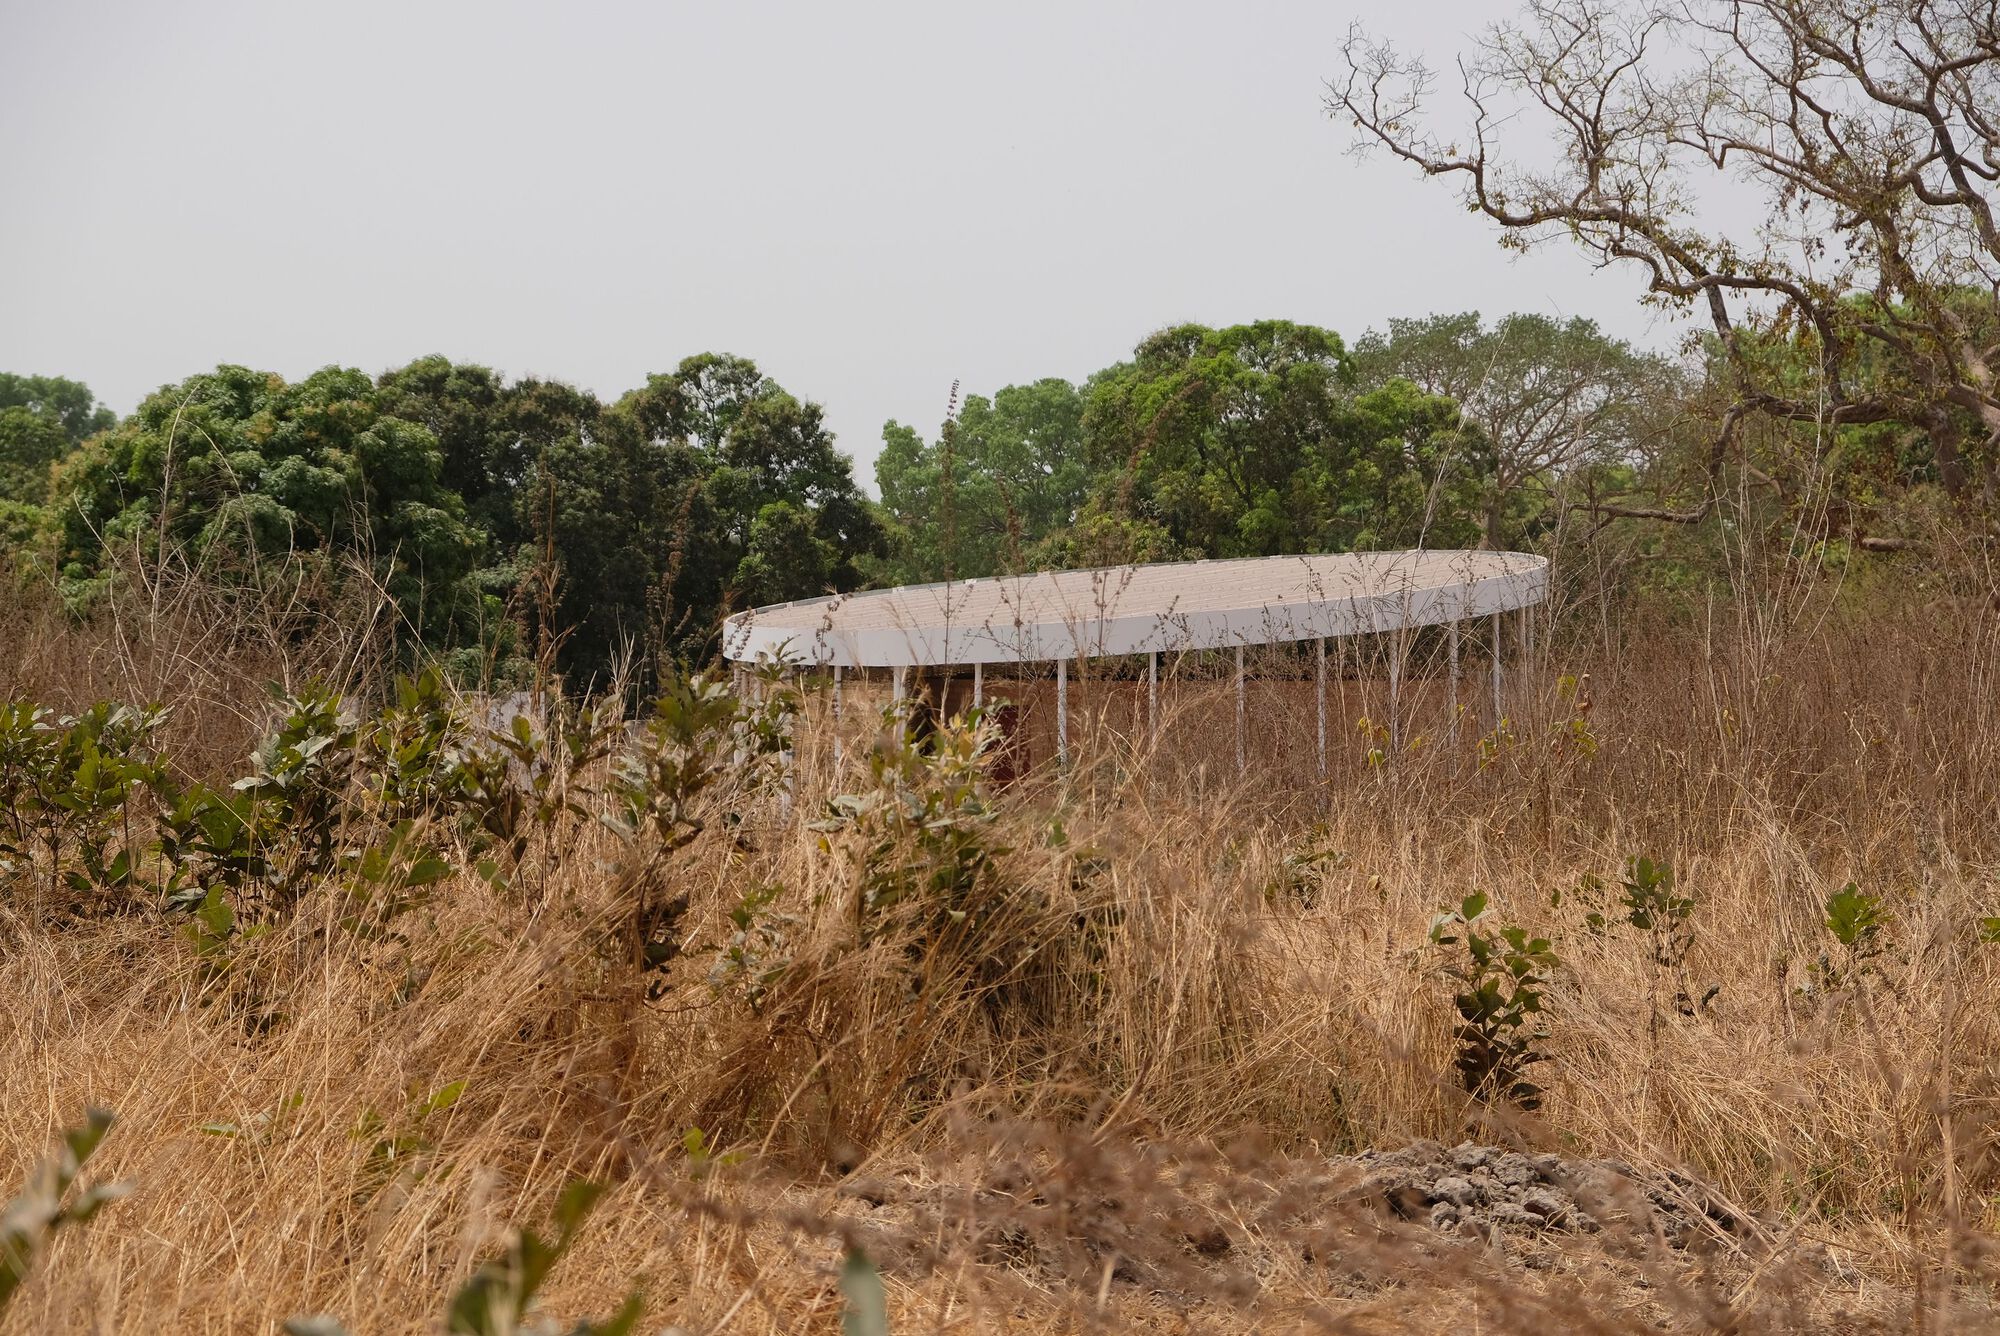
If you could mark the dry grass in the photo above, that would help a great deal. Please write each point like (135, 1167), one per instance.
(1184, 1003)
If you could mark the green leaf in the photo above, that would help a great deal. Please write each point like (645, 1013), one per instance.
(215, 913)
(39, 1209)
(574, 1204)
(426, 870)
(92, 1200)
(867, 1312)
(82, 1140)
(619, 1324)
(445, 1096)
(319, 1325)
(1853, 917)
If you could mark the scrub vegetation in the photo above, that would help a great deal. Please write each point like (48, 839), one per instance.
(1119, 1047)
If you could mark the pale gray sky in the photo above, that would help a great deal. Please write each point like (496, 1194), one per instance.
(869, 200)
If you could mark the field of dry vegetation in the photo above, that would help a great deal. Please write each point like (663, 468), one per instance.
(1134, 1047)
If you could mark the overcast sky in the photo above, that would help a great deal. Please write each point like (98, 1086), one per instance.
(870, 200)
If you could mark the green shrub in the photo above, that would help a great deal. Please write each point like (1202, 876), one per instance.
(1502, 979)
(928, 858)
(69, 813)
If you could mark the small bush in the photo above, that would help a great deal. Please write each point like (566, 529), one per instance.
(1502, 979)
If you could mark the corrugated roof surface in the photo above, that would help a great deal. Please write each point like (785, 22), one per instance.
(1133, 609)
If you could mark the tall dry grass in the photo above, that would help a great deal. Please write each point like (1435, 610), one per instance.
(1118, 1100)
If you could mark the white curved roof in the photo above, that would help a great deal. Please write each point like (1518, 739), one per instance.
(1136, 609)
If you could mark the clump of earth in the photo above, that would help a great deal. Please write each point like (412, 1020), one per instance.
(1085, 1206)
(1483, 1190)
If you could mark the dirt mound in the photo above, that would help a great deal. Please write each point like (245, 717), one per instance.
(1477, 1190)
(1167, 1221)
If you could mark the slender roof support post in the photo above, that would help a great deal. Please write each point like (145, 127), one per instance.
(1451, 652)
(978, 685)
(836, 714)
(1319, 697)
(790, 782)
(1340, 674)
(1062, 711)
(1395, 694)
(896, 700)
(1153, 697)
(1496, 670)
(1525, 653)
(1242, 713)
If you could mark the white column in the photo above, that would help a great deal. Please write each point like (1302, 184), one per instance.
(836, 714)
(1340, 678)
(1062, 711)
(896, 702)
(1526, 650)
(1496, 670)
(1242, 712)
(1319, 697)
(1395, 693)
(1451, 650)
(790, 783)
(1153, 697)
(978, 685)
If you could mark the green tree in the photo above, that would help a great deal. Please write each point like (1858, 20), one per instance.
(709, 489)
(784, 554)
(70, 403)
(1004, 475)
(1550, 400)
(30, 445)
(484, 456)
(757, 445)
(627, 523)
(42, 418)
(1254, 440)
(234, 466)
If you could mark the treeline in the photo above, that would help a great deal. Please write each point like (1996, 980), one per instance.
(498, 517)
(1277, 437)
(506, 520)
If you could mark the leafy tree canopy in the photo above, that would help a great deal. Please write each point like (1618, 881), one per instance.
(1245, 441)
(1004, 475)
(1551, 400)
(1255, 440)
(235, 466)
(708, 489)
(42, 418)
